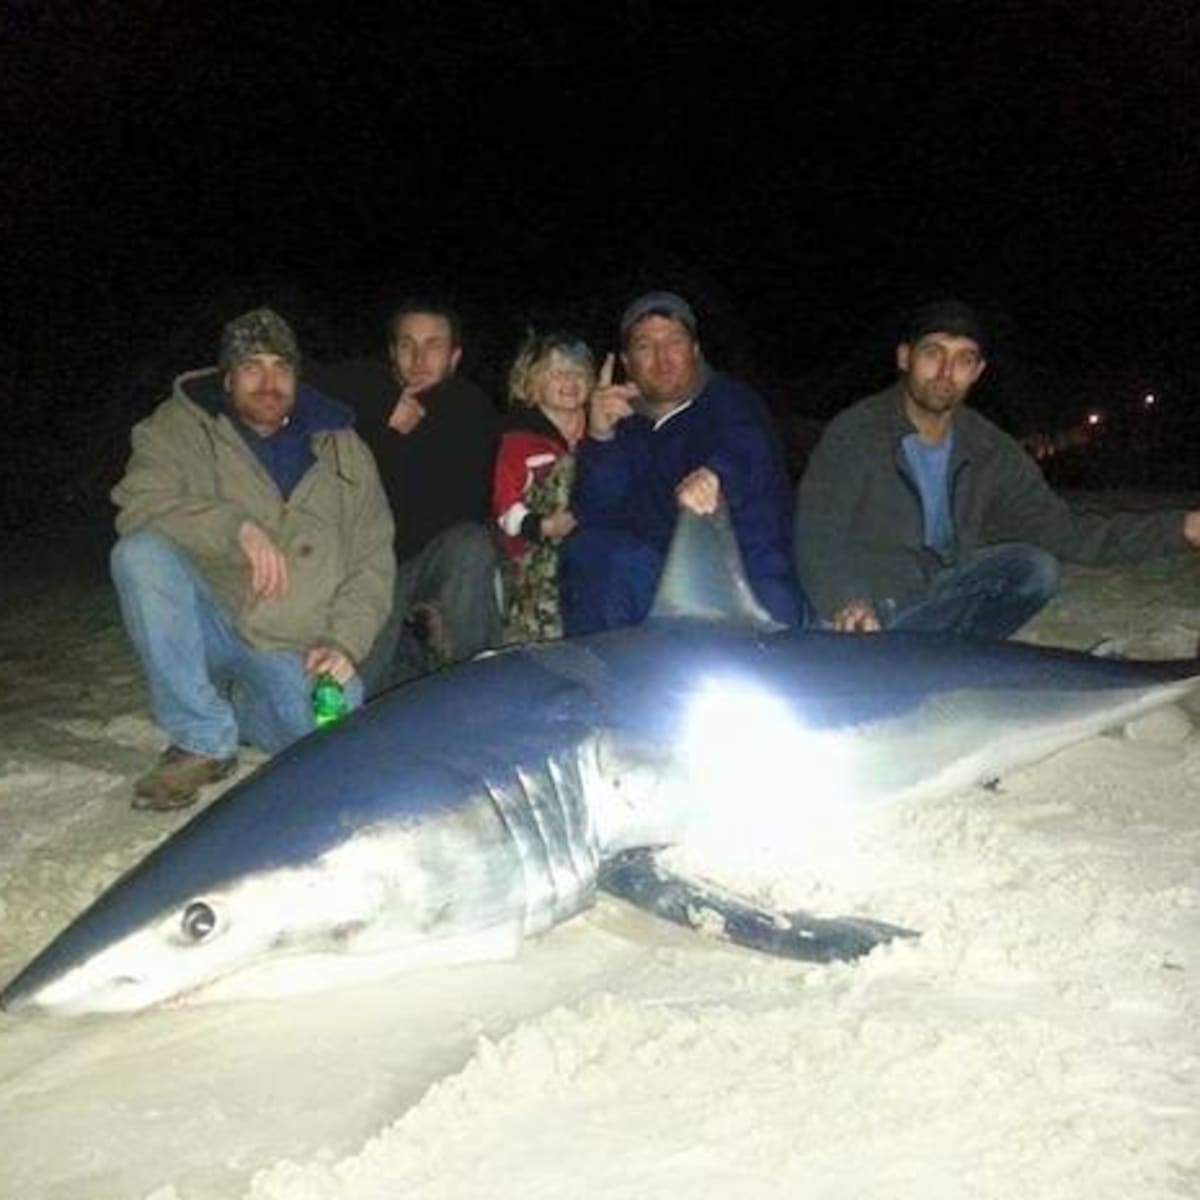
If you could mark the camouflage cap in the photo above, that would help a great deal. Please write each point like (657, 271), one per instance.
(259, 331)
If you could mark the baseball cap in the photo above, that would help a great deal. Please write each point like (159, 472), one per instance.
(657, 304)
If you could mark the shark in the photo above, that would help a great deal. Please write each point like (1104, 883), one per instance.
(456, 816)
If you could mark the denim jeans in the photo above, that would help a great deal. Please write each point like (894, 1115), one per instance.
(454, 572)
(991, 595)
(209, 688)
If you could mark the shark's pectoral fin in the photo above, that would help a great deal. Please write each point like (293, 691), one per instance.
(639, 877)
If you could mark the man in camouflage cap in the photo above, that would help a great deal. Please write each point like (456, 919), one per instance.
(255, 554)
(260, 331)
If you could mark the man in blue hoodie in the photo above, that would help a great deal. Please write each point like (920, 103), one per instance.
(677, 434)
(255, 554)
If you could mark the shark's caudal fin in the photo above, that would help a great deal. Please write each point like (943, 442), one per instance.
(704, 577)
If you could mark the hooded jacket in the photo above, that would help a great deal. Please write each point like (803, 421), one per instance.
(194, 478)
(860, 526)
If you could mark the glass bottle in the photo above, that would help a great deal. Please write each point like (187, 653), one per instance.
(329, 703)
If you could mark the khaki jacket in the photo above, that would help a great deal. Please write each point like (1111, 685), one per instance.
(193, 478)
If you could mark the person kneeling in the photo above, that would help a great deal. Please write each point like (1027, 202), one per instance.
(255, 553)
(916, 513)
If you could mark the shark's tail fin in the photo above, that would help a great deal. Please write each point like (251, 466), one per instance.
(704, 577)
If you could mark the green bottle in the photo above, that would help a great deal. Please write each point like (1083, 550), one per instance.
(329, 702)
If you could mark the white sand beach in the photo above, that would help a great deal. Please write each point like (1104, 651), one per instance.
(1040, 1039)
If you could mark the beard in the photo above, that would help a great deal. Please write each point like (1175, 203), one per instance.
(936, 399)
(269, 406)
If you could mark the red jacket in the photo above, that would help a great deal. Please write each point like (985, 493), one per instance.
(529, 446)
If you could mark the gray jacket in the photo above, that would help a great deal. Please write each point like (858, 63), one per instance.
(860, 525)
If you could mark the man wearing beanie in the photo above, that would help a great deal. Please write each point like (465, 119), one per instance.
(255, 553)
(917, 513)
(678, 434)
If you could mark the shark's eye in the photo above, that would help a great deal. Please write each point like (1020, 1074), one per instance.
(199, 920)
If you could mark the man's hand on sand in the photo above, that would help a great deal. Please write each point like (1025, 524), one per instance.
(268, 567)
(325, 660)
(856, 616)
(609, 402)
(699, 491)
(1191, 528)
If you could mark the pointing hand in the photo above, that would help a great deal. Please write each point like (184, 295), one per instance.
(610, 402)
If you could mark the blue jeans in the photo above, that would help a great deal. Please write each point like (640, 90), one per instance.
(991, 595)
(209, 688)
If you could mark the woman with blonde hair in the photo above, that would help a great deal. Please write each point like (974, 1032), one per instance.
(548, 385)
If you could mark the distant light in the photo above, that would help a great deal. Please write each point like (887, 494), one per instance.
(1149, 400)
(1095, 418)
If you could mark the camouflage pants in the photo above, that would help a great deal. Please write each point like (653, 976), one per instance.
(532, 579)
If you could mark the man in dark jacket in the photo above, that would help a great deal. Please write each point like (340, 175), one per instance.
(434, 435)
(916, 512)
(678, 434)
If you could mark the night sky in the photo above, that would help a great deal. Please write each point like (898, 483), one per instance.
(802, 172)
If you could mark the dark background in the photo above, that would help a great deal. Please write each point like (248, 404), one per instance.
(800, 172)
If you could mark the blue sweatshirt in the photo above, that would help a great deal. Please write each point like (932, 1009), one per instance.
(287, 453)
(629, 483)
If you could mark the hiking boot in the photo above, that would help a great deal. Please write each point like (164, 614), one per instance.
(176, 779)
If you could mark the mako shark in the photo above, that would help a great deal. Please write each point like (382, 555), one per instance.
(458, 815)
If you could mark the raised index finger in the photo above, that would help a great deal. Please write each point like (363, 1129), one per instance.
(606, 370)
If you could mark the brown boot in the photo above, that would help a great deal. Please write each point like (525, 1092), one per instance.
(176, 779)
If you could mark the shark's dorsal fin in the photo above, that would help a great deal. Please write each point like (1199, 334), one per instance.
(704, 578)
